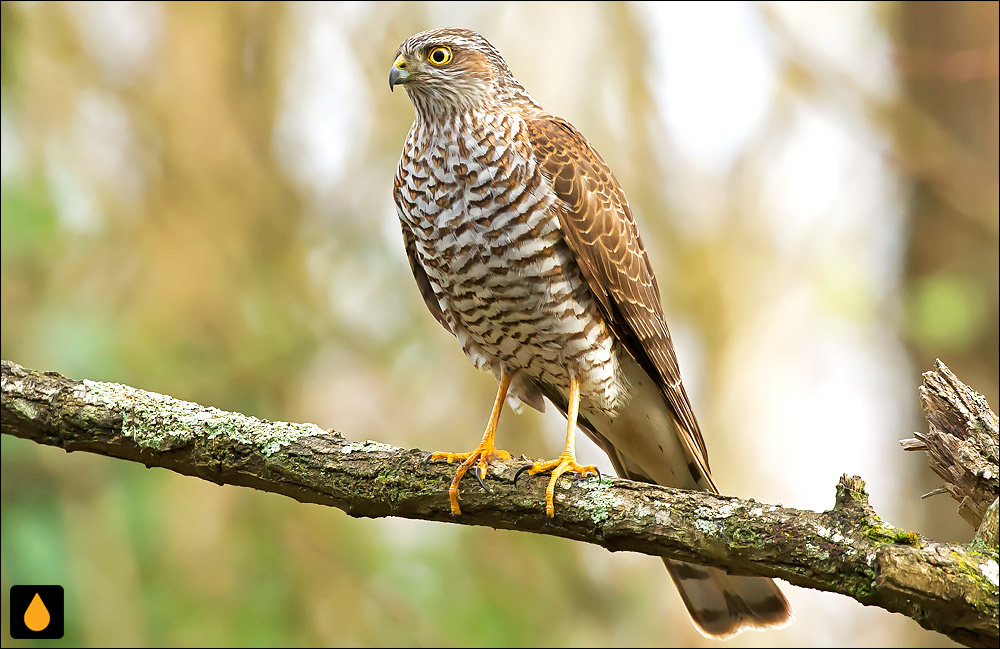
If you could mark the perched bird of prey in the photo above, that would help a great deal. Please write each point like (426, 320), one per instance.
(524, 248)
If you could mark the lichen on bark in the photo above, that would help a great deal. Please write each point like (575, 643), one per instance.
(951, 588)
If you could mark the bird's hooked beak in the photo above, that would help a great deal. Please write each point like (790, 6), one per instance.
(399, 73)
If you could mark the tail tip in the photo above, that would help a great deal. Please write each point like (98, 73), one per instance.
(769, 614)
(721, 605)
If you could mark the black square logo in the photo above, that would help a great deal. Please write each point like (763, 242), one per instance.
(36, 612)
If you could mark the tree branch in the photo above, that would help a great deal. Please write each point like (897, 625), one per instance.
(849, 550)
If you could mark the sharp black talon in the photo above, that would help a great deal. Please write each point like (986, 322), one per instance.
(481, 483)
(598, 473)
(520, 471)
(427, 459)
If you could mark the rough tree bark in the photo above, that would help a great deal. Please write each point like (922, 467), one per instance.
(961, 443)
(950, 588)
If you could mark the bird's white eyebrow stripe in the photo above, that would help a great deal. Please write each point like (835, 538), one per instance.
(455, 41)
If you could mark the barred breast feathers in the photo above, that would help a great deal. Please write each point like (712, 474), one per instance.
(478, 208)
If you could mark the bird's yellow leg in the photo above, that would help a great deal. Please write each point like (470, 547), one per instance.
(482, 454)
(566, 462)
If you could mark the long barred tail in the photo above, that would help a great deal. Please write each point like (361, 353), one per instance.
(722, 605)
(643, 445)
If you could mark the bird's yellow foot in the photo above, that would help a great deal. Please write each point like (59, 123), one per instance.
(565, 463)
(482, 454)
(480, 458)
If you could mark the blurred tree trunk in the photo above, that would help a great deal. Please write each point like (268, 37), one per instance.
(216, 190)
(947, 59)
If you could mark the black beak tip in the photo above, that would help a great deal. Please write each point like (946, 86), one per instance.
(397, 76)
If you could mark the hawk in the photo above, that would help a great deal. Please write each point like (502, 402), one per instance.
(524, 247)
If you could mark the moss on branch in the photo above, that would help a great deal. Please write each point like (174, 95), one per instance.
(946, 587)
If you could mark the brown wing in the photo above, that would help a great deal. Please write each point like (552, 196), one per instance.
(423, 283)
(598, 226)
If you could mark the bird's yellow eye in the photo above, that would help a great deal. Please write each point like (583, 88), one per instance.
(439, 55)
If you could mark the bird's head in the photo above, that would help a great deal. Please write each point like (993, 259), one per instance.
(448, 71)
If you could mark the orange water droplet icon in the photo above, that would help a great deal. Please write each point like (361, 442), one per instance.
(37, 616)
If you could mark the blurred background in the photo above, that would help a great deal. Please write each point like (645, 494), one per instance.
(196, 201)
